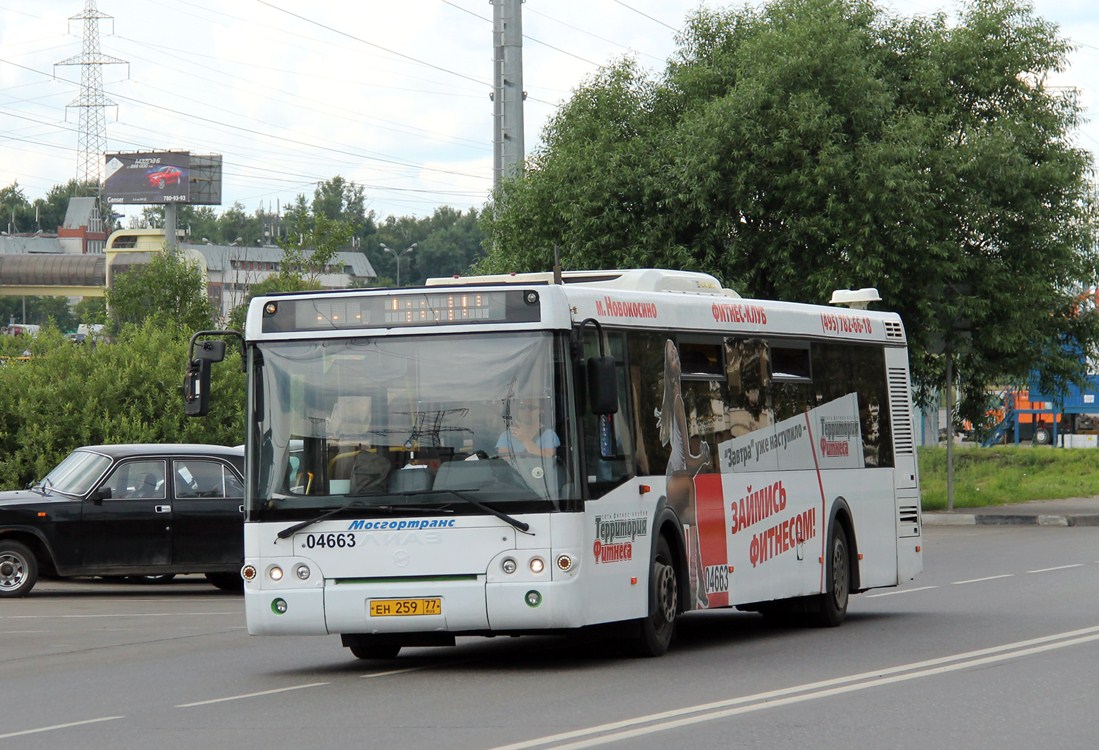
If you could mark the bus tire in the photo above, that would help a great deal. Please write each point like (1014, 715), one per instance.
(837, 591)
(657, 630)
(361, 647)
(18, 569)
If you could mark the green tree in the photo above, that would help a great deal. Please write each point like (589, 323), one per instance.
(312, 246)
(238, 228)
(448, 242)
(808, 145)
(340, 200)
(91, 310)
(198, 223)
(38, 310)
(51, 211)
(16, 213)
(169, 290)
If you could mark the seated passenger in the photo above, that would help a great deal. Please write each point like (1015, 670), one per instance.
(527, 435)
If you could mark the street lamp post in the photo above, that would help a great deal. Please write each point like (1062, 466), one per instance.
(397, 256)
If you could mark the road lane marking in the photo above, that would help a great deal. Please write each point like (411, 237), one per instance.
(116, 615)
(901, 591)
(420, 668)
(1059, 567)
(631, 728)
(252, 695)
(981, 580)
(398, 671)
(59, 726)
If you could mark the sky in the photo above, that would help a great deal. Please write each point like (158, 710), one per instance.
(393, 95)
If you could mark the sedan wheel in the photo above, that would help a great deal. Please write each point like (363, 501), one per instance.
(18, 569)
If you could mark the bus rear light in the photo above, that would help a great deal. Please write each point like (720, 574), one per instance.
(537, 565)
(248, 572)
(644, 489)
(564, 562)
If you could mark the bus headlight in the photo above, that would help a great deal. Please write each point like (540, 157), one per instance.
(248, 572)
(508, 565)
(564, 563)
(302, 571)
(537, 565)
(274, 573)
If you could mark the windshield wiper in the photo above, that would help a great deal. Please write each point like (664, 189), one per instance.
(463, 495)
(291, 530)
(417, 508)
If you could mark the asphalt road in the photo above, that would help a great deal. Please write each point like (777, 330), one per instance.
(996, 645)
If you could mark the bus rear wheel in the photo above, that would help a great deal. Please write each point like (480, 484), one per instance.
(837, 591)
(657, 630)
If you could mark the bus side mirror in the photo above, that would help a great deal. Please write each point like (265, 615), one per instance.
(196, 380)
(196, 388)
(602, 385)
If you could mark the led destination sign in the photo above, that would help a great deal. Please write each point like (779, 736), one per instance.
(400, 310)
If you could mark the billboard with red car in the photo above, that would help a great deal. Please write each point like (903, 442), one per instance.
(148, 177)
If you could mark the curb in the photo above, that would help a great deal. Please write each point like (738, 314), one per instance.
(1004, 519)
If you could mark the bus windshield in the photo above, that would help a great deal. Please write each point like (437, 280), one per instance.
(408, 424)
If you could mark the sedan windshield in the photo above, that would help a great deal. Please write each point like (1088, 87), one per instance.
(411, 422)
(77, 473)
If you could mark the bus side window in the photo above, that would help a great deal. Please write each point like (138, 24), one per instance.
(748, 378)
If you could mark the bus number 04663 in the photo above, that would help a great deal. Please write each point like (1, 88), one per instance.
(329, 541)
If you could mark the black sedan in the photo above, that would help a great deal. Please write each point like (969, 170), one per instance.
(127, 510)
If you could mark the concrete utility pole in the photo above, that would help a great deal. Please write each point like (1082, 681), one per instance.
(507, 96)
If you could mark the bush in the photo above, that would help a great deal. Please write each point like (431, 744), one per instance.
(128, 390)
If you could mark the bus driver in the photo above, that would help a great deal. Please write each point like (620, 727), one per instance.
(526, 435)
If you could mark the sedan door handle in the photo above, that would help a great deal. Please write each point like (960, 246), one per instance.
(163, 508)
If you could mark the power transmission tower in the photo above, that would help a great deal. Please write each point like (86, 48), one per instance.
(92, 101)
(509, 152)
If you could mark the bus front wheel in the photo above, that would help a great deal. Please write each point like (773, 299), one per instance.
(365, 647)
(657, 629)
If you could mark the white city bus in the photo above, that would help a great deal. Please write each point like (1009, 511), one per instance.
(530, 454)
